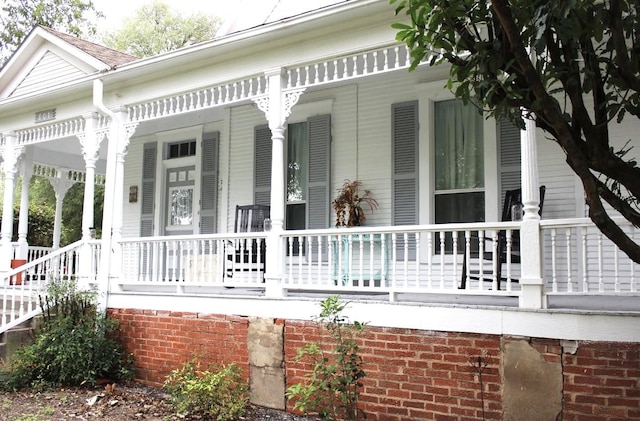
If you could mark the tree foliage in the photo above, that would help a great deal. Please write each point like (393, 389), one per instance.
(572, 65)
(18, 17)
(156, 29)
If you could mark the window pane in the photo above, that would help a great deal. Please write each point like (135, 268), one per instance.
(459, 146)
(181, 210)
(459, 207)
(297, 162)
(295, 221)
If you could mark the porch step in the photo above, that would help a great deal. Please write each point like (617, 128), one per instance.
(14, 338)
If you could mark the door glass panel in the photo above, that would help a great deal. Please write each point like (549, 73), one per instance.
(181, 206)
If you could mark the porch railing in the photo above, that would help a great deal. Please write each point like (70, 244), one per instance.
(459, 259)
(219, 259)
(34, 252)
(579, 259)
(20, 287)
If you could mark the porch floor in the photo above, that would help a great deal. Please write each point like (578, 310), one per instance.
(603, 303)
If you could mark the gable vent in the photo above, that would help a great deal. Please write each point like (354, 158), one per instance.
(46, 115)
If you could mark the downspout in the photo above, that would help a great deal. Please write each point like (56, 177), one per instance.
(104, 271)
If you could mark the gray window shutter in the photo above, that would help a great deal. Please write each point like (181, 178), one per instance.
(149, 157)
(508, 156)
(318, 198)
(404, 126)
(209, 193)
(262, 166)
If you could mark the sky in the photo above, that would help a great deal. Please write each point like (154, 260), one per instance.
(116, 11)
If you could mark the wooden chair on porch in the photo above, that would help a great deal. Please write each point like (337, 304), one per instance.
(247, 255)
(511, 198)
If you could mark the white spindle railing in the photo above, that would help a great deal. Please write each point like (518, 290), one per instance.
(20, 287)
(458, 259)
(380, 60)
(579, 259)
(49, 132)
(417, 259)
(182, 261)
(213, 96)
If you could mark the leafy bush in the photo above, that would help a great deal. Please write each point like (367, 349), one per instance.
(219, 393)
(74, 346)
(332, 389)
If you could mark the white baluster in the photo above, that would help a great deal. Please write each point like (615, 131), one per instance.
(417, 260)
(585, 279)
(442, 254)
(554, 270)
(569, 272)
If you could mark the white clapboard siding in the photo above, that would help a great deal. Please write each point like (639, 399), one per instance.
(50, 70)
(132, 177)
(240, 161)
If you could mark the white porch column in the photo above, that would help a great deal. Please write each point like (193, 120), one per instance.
(277, 107)
(11, 156)
(126, 131)
(530, 242)
(61, 185)
(26, 172)
(90, 141)
(119, 135)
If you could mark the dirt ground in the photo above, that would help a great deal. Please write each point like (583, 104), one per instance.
(119, 403)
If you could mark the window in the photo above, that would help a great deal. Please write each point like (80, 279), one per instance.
(181, 149)
(297, 170)
(459, 163)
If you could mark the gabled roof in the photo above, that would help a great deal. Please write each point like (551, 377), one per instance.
(48, 58)
(109, 56)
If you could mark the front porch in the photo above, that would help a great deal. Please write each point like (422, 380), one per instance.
(422, 264)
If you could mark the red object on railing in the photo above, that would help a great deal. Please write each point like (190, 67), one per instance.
(16, 263)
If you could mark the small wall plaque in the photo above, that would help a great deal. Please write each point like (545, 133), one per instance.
(133, 194)
(45, 115)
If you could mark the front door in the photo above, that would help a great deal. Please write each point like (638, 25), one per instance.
(180, 186)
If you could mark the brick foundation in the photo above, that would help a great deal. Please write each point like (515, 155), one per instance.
(411, 374)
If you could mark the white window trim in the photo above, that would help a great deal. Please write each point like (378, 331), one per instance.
(429, 94)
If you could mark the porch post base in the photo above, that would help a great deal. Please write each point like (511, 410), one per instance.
(273, 288)
(532, 295)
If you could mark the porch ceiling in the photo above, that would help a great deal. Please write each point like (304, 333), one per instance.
(67, 153)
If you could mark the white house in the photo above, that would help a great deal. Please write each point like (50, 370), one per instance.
(281, 114)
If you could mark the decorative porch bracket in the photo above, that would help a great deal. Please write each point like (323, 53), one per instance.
(61, 185)
(277, 106)
(532, 294)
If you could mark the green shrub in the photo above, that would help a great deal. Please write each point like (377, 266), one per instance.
(220, 392)
(74, 346)
(332, 389)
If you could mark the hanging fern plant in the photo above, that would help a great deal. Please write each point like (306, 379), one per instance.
(348, 205)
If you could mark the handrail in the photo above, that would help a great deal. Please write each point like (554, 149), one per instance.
(17, 300)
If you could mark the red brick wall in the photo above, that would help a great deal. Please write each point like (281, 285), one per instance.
(416, 375)
(411, 374)
(161, 340)
(602, 382)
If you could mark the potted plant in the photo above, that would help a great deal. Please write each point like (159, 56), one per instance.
(348, 204)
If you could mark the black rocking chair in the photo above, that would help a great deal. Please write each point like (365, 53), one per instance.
(247, 255)
(503, 249)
